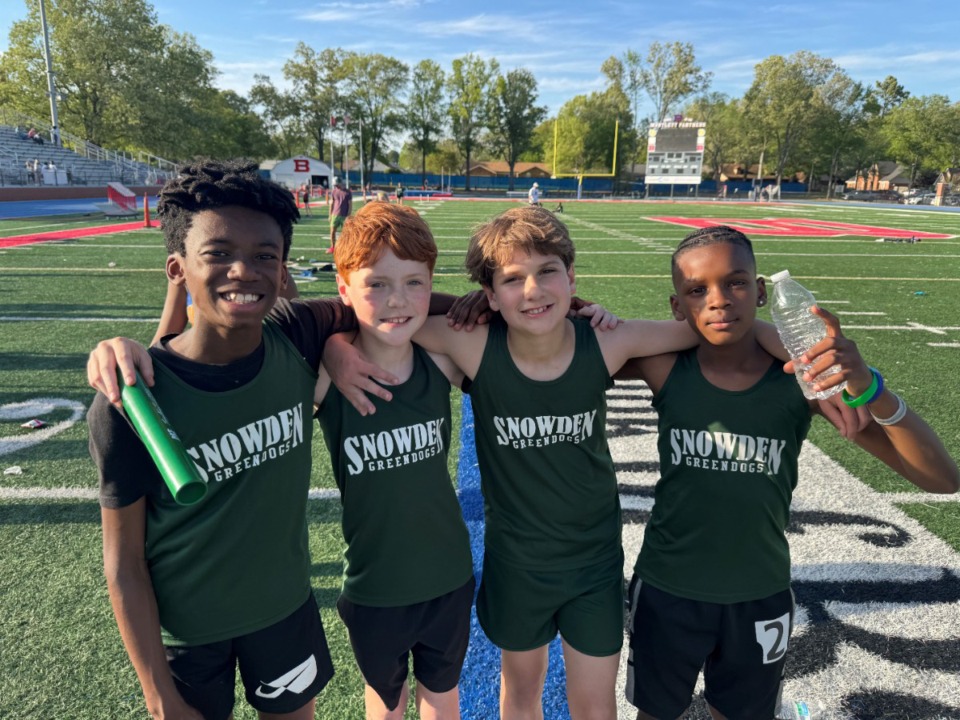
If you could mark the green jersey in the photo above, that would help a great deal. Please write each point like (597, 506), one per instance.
(406, 538)
(237, 561)
(728, 467)
(549, 487)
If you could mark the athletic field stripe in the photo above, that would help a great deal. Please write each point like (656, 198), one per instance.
(27, 318)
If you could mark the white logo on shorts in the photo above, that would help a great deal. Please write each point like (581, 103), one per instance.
(296, 681)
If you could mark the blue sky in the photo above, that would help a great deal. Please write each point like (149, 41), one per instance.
(564, 42)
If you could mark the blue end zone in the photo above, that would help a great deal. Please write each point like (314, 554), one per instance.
(480, 680)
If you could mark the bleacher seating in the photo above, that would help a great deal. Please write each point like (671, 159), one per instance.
(17, 151)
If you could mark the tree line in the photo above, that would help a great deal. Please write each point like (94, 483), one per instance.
(128, 82)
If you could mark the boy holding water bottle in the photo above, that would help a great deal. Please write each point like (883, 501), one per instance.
(710, 593)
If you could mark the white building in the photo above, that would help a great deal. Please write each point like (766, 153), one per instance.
(294, 172)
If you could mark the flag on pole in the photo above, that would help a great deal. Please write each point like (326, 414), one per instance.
(333, 121)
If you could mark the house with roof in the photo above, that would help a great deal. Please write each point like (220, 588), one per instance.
(733, 172)
(500, 168)
(882, 175)
(951, 178)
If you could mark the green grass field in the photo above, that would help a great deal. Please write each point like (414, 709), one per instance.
(62, 656)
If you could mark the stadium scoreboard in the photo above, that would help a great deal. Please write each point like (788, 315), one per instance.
(675, 153)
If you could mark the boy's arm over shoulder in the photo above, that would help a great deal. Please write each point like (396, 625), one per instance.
(123, 354)
(310, 323)
(653, 370)
(644, 338)
(465, 349)
(449, 368)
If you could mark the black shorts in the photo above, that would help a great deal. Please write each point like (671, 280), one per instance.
(521, 609)
(283, 666)
(436, 632)
(741, 648)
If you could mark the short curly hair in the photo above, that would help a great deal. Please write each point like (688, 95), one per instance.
(530, 229)
(208, 184)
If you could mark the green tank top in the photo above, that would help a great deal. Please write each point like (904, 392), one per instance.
(406, 538)
(549, 487)
(238, 560)
(728, 467)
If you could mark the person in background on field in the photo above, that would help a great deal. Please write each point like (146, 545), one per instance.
(711, 587)
(305, 198)
(533, 195)
(340, 204)
(399, 193)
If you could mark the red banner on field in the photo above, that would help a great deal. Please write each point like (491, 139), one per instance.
(800, 227)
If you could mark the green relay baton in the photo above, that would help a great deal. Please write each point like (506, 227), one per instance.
(162, 442)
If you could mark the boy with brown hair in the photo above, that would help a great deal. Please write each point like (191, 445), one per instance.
(553, 559)
(408, 574)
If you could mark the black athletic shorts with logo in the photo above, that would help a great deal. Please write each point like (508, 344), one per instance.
(741, 648)
(435, 632)
(283, 666)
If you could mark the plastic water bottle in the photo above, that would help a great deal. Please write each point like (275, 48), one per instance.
(800, 710)
(799, 329)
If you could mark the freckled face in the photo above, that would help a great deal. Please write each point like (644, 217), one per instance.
(391, 297)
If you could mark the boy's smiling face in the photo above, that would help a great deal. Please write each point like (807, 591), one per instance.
(532, 291)
(391, 297)
(233, 267)
(717, 292)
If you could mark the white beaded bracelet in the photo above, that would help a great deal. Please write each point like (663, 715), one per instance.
(897, 416)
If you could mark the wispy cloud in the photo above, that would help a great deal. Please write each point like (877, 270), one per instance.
(483, 26)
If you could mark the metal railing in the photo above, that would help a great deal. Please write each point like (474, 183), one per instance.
(139, 167)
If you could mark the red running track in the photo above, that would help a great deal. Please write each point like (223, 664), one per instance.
(68, 234)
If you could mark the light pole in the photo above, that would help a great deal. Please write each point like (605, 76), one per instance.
(51, 85)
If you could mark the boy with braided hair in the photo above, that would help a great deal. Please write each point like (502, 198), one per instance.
(711, 588)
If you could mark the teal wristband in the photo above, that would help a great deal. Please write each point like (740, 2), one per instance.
(871, 394)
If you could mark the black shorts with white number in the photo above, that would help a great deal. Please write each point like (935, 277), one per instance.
(741, 648)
